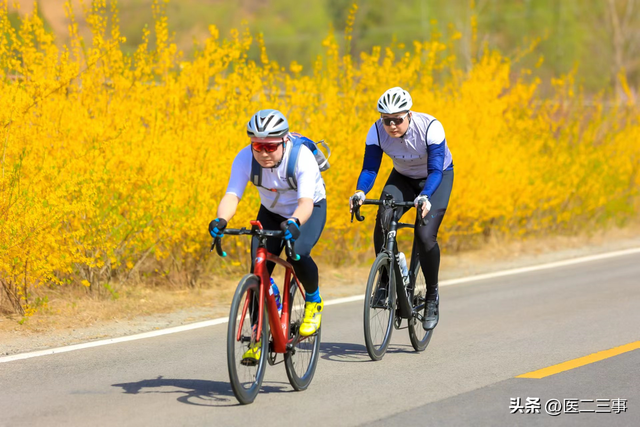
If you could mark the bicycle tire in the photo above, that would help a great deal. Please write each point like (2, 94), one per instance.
(418, 336)
(245, 380)
(379, 313)
(301, 360)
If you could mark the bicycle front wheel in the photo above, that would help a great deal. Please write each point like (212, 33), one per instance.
(246, 374)
(379, 307)
(301, 359)
(418, 336)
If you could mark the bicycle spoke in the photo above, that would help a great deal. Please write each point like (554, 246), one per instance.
(302, 358)
(378, 310)
(246, 373)
(418, 336)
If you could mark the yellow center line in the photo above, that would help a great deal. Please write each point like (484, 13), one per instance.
(581, 361)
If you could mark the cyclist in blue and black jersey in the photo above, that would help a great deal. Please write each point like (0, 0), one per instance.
(422, 170)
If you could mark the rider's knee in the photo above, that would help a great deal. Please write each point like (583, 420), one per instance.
(431, 243)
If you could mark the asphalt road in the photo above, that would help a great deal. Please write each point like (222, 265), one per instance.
(490, 332)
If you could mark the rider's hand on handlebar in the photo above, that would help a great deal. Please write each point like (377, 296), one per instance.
(291, 229)
(216, 227)
(358, 197)
(426, 204)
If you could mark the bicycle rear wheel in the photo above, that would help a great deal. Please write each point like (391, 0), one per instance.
(246, 378)
(379, 307)
(418, 336)
(301, 360)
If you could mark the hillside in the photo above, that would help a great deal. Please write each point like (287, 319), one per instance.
(569, 33)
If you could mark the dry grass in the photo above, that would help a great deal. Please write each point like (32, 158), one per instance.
(70, 307)
(499, 253)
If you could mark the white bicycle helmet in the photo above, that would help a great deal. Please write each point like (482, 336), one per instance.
(267, 124)
(395, 100)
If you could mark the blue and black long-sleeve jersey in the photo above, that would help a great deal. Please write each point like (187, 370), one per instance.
(422, 152)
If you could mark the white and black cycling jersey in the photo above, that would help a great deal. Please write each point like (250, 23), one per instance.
(275, 192)
(422, 152)
(409, 152)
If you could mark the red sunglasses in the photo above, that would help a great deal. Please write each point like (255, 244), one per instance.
(269, 147)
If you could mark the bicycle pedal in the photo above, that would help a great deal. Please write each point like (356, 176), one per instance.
(248, 362)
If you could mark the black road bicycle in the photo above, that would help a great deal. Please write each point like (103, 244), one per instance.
(389, 297)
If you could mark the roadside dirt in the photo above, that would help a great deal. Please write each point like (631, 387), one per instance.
(71, 321)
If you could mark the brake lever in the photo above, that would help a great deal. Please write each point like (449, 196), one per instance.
(291, 253)
(217, 242)
(355, 211)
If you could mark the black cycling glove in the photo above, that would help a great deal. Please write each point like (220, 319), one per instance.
(217, 226)
(291, 229)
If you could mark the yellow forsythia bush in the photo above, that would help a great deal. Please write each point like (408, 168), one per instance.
(112, 164)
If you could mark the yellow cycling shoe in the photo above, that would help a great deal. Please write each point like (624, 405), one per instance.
(251, 357)
(312, 318)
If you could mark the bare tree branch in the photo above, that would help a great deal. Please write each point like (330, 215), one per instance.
(627, 21)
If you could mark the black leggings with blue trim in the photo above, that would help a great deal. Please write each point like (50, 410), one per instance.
(403, 188)
(305, 268)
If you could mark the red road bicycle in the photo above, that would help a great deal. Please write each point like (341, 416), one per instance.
(252, 306)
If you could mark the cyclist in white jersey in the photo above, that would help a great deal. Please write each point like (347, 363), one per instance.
(300, 212)
(422, 171)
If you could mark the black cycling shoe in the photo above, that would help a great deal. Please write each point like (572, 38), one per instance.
(431, 316)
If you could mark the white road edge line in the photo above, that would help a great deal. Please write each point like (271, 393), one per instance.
(546, 266)
(331, 302)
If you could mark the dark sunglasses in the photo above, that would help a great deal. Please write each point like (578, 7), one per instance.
(269, 147)
(395, 120)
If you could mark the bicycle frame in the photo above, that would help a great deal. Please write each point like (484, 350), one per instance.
(279, 324)
(403, 292)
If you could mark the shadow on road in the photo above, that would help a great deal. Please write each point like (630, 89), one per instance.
(347, 352)
(401, 348)
(343, 352)
(193, 392)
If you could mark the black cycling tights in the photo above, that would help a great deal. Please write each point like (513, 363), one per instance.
(305, 268)
(403, 188)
